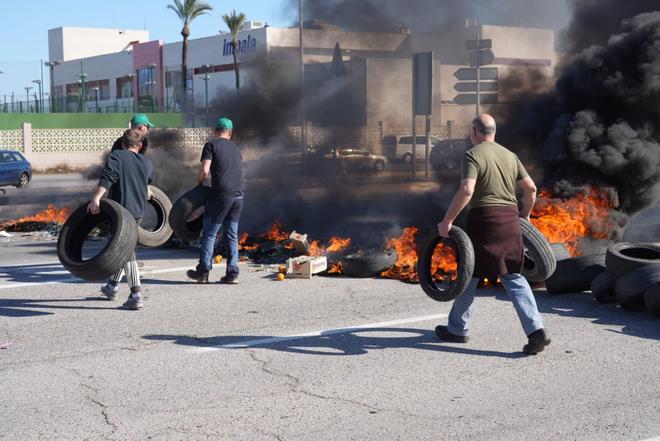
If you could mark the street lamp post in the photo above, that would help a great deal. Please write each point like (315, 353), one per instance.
(82, 82)
(27, 93)
(206, 79)
(96, 98)
(130, 77)
(51, 65)
(38, 105)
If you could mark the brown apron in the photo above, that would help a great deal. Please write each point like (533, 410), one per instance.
(497, 240)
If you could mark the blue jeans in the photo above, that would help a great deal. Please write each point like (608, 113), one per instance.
(210, 229)
(518, 290)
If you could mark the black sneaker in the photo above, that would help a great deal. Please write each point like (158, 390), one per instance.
(133, 303)
(443, 334)
(230, 279)
(537, 341)
(198, 276)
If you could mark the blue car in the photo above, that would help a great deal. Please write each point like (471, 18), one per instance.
(14, 169)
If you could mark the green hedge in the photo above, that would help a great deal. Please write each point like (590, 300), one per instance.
(13, 121)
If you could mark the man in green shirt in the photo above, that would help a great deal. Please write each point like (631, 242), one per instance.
(490, 175)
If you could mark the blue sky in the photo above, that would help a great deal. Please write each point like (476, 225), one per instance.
(25, 25)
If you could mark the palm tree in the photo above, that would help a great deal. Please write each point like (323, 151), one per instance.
(187, 11)
(234, 23)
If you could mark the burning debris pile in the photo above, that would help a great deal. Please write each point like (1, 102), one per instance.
(50, 219)
(588, 215)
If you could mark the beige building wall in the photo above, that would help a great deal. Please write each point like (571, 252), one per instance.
(69, 43)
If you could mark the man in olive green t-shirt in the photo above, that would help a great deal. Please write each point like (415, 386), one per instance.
(490, 175)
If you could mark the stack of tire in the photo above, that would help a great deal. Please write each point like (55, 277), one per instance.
(631, 277)
(124, 235)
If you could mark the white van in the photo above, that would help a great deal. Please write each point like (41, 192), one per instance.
(399, 148)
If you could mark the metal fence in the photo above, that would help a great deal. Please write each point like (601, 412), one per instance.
(73, 104)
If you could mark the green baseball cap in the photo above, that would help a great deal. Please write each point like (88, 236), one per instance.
(140, 119)
(224, 123)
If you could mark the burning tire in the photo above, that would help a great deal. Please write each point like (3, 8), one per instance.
(560, 251)
(652, 299)
(575, 274)
(540, 261)
(624, 257)
(368, 263)
(462, 245)
(602, 287)
(630, 287)
(162, 231)
(187, 213)
(123, 238)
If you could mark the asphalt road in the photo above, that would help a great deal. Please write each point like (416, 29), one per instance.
(327, 358)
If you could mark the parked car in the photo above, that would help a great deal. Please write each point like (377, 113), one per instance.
(400, 148)
(446, 154)
(332, 159)
(15, 169)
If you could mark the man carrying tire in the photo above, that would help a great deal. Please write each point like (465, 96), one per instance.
(490, 174)
(141, 123)
(127, 173)
(221, 158)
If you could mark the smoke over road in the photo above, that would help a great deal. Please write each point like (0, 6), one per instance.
(600, 123)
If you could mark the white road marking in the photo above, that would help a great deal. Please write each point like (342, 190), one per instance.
(76, 279)
(269, 340)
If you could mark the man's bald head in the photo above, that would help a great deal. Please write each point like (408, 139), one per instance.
(485, 124)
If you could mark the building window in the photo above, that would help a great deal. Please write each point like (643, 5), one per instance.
(125, 87)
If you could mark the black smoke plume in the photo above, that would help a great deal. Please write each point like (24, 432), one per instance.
(600, 123)
(432, 15)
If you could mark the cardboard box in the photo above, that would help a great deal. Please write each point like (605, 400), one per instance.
(304, 266)
(299, 242)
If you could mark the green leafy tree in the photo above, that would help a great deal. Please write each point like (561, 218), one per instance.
(187, 11)
(234, 22)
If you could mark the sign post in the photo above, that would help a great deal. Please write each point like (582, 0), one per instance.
(483, 56)
(422, 103)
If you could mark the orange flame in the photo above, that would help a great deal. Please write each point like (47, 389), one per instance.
(338, 244)
(443, 263)
(569, 221)
(243, 243)
(335, 268)
(335, 245)
(50, 214)
(275, 233)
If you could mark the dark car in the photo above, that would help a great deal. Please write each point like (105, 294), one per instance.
(15, 169)
(333, 159)
(446, 154)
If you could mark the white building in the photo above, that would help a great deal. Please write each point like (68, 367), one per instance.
(122, 68)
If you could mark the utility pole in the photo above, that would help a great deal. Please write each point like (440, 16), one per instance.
(303, 115)
(51, 65)
(38, 105)
(41, 90)
(27, 93)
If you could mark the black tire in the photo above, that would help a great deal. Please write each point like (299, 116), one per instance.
(560, 251)
(379, 165)
(23, 180)
(407, 158)
(162, 232)
(540, 261)
(602, 287)
(123, 239)
(625, 256)
(189, 203)
(465, 257)
(630, 287)
(652, 299)
(575, 274)
(368, 263)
